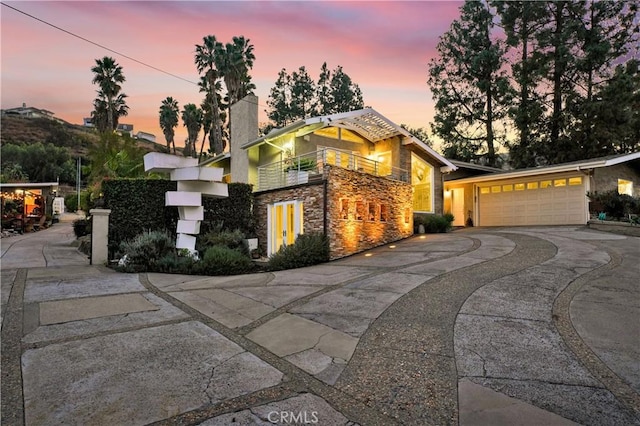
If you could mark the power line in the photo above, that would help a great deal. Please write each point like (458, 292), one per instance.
(99, 45)
(111, 50)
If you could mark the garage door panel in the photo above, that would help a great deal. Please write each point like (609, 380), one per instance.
(535, 206)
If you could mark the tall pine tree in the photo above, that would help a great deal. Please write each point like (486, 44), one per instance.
(470, 87)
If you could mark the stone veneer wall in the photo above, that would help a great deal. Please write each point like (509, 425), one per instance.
(349, 236)
(312, 197)
(346, 236)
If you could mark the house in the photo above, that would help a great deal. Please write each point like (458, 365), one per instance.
(551, 195)
(150, 137)
(357, 177)
(28, 112)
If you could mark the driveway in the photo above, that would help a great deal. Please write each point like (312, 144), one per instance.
(478, 326)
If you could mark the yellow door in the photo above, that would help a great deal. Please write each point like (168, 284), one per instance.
(285, 224)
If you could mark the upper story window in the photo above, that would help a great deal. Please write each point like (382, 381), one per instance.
(625, 187)
(422, 181)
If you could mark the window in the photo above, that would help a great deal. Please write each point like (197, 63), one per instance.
(560, 182)
(360, 210)
(546, 184)
(575, 181)
(532, 185)
(519, 186)
(373, 212)
(422, 181)
(507, 188)
(384, 213)
(344, 208)
(485, 190)
(625, 187)
(495, 189)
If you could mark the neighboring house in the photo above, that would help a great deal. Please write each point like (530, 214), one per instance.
(551, 195)
(121, 128)
(356, 177)
(28, 112)
(146, 136)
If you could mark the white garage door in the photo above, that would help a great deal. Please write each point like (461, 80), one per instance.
(542, 201)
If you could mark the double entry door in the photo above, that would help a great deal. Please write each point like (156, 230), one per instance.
(284, 224)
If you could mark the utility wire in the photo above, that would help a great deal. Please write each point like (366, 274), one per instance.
(110, 50)
(98, 44)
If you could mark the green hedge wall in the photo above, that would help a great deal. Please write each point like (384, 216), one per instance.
(138, 205)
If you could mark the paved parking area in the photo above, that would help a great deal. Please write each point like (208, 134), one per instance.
(479, 326)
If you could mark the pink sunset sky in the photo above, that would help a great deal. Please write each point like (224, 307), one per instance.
(383, 46)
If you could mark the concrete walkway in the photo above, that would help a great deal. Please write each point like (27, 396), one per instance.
(480, 326)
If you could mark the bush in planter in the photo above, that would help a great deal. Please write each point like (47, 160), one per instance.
(433, 223)
(301, 164)
(143, 252)
(234, 240)
(613, 204)
(308, 249)
(220, 260)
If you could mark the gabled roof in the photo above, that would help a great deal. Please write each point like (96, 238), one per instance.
(592, 163)
(366, 122)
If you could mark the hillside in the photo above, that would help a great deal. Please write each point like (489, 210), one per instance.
(77, 139)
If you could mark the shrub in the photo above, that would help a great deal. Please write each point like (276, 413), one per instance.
(433, 223)
(81, 227)
(308, 249)
(231, 239)
(71, 201)
(173, 263)
(144, 251)
(613, 204)
(219, 260)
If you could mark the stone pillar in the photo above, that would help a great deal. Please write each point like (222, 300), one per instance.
(99, 236)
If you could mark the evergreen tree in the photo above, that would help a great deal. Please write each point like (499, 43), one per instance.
(522, 21)
(302, 94)
(279, 101)
(296, 96)
(470, 87)
(345, 95)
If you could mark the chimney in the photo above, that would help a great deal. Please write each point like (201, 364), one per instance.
(244, 128)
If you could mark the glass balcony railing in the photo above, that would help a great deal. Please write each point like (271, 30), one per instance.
(309, 167)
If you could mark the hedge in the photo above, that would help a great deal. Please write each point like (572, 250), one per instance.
(137, 205)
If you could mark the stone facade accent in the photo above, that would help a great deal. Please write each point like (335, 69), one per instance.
(356, 204)
(312, 197)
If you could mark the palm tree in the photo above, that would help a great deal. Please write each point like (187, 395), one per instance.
(234, 66)
(169, 120)
(108, 75)
(100, 114)
(205, 60)
(192, 120)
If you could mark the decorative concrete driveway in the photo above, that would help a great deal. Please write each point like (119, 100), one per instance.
(480, 326)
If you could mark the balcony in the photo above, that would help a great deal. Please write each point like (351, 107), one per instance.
(309, 167)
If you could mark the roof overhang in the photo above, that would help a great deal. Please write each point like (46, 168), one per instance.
(580, 166)
(213, 160)
(366, 122)
(19, 185)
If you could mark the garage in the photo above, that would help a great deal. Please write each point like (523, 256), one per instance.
(538, 200)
